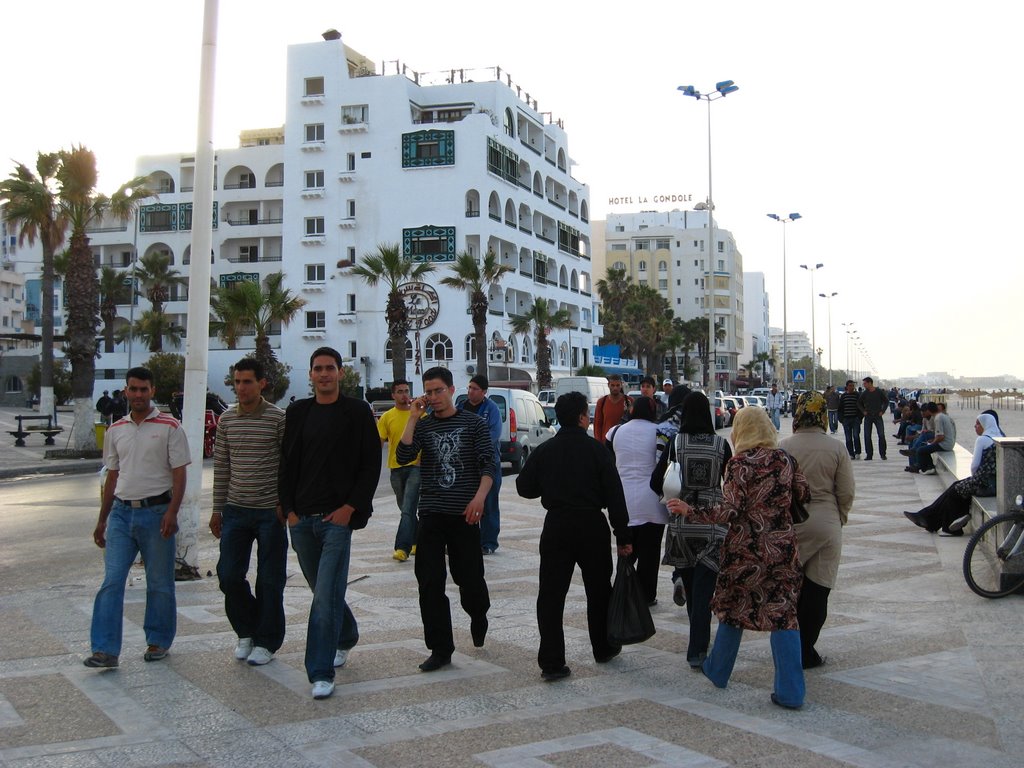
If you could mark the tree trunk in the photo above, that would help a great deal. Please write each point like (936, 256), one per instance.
(397, 355)
(82, 291)
(47, 404)
(480, 333)
(543, 361)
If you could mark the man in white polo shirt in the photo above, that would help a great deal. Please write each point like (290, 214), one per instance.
(145, 454)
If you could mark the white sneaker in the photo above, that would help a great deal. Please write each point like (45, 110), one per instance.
(260, 656)
(340, 658)
(244, 648)
(322, 689)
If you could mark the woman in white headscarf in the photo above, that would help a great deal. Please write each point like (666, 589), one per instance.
(951, 511)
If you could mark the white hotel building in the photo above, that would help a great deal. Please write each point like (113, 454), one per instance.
(466, 163)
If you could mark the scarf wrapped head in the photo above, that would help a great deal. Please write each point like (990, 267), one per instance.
(811, 411)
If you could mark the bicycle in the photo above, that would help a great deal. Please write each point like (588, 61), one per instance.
(989, 552)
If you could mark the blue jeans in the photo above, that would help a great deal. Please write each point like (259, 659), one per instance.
(918, 441)
(130, 531)
(323, 550)
(851, 430)
(774, 413)
(833, 421)
(260, 617)
(405, 482)
(490, 523)
(789, 673)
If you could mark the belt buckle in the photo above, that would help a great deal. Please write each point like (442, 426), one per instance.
(136, 504)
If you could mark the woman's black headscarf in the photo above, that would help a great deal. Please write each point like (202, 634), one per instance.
(643, 408)
(696, 415)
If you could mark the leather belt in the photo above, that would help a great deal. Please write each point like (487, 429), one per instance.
(152, 501)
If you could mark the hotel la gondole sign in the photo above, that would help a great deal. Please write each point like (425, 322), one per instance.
(422, 303)
(648, 199)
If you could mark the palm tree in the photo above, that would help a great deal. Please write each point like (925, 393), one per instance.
(673, 341)
(115, 289)
(763, 358)
(251, 308)
(542, 321)
(477, 279)
(30, 200)
(82, 207)
(156, 278)
(153, 327)
(388, 266)
(694, 336)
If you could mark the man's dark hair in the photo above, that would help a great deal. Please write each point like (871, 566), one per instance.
(850, 381)
(614, 377)
(645, 380)
(438, 373)
(481, 381)
(868, 380)
(254, 365)
(930, 407)
(325, 352)
(569, 407)
(139, 372)
(400, 382)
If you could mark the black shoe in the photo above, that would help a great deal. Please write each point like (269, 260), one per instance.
(904, 452)
(478, 629)
(959, 524)
(775, 701)
(558, 674)
(820, 661)
(883, 457)
(916, 519)
(486, 551)
(608, 656)
(435, 662)
(866, 458)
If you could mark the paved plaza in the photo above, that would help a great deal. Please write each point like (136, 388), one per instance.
(920, 672)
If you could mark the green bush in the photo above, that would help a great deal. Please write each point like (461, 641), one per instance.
(61, 381)
(168, 374)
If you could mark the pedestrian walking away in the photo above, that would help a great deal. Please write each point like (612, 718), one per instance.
(849, 414)
(246, 457)
(575, 478)
(477, 402)
(405, 478)
(145, 454)
(457, 468)
(330, 465)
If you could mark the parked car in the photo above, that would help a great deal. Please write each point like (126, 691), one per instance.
(549, 413)
(547, 396)
(379, 407)
(722, 418)
(732, 405)
(757, 402)
(524, 425)
(591, 386)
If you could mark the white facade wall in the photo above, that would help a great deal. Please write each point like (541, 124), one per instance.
(755, 315)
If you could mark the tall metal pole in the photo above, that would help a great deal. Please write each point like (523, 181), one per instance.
(785, 315)
(197, 346)
(131, 305)
(712, 357)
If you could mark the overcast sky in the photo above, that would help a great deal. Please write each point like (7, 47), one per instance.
(891, 127)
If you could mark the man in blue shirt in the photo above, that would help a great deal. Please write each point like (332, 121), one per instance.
(477, 402)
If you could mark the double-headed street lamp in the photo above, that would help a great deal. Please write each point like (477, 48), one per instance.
(722, 90)
(785, 319)
(814, 341)
(828, 297)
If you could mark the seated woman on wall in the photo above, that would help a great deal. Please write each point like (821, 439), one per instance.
(951, 510)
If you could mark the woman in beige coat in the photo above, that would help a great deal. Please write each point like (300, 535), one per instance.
(829, 472)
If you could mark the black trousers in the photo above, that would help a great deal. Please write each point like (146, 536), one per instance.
(945, 509)
(435, 535)
(565, 542)
(699, 582)
(811, 612)
(646, 557)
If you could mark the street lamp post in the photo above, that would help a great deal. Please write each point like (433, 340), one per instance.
(785, 318)
(828, 297)
(722, 90)
(814, 342)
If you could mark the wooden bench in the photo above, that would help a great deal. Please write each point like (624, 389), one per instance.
(956, 465)
(49, 430)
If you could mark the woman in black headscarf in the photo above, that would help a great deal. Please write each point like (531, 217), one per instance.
(699, 457)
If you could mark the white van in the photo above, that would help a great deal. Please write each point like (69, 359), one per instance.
(524, 425)
(593, 387)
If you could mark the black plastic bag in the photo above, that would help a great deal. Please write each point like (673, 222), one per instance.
(629, 618)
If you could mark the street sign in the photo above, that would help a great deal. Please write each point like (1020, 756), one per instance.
(799, 376)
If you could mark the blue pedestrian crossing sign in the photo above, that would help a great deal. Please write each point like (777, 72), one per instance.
(799, 376)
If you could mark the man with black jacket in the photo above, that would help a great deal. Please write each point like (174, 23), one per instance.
(330, 465)
(575, 478)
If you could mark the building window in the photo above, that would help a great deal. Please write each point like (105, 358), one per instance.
(502, 161)
(408, 350)
(314, 132)
(354, 114)
(350, 208)
(314, 86)
(568, 239)
(429, 244)
(620, 228)
(350, 161)
(642, 245)
(353, 351)
(424, 149)
(721, 246)
(315, 225)
(662, 266)
(721, 265)
(350, 302)
(314, 179)
(663, 285)
(315, 273)
(13, 384)
(619, 265)
(641, 266)
(157, 218)
(351, 254)
(509, 124)
(618, 246)
(438, 348)
(471, 347)
(249, 253)
(664, 244)
(316, 321)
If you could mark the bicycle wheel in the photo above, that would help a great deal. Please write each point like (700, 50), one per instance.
(983, 560)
